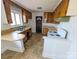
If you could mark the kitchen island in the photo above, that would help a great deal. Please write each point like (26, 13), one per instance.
(13, 40)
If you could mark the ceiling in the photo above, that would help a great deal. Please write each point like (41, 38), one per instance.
(46, 5)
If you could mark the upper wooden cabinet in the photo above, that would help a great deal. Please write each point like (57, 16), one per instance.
(29, 14)
(60, 11)
(26, 15)
(7, 5)
(48, 16)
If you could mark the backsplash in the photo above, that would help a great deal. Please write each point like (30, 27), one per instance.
(50, 24)
(7, 26)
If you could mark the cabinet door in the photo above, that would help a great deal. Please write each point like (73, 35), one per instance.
(45, 15)
(30, 15)
(48, 16)
(24, 16)
(7, 5)
(45, 31)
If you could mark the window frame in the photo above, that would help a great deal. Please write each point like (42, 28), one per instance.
(15, 19)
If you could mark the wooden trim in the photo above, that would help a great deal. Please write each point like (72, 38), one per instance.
(24, 14)
(7, 7)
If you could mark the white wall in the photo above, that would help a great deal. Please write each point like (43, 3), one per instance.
(32, 22)
(3, 26)
(3, 15)
(12, 45)
(3, 46)
(72, 9)
(71, 27)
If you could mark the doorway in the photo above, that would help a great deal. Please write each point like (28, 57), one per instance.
(39, 24)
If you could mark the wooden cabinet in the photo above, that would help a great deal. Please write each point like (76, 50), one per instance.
(48, 16)
(7, 5)
(48, 28)
(45, 30)
(25, 38)
(60, 11)
(27, 33)
(26, 14)
(29, 14)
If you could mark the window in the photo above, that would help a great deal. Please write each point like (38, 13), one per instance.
(16, 20)
(13, 20)
(24, 18)
(16, 15)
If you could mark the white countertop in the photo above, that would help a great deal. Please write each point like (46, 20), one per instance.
(14, 36)
(26, 28)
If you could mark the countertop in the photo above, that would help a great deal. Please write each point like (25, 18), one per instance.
(26, 28)
(14, 36)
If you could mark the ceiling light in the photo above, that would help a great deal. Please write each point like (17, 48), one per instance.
(39, 7)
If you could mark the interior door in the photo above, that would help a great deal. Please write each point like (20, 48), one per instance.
(39, 24)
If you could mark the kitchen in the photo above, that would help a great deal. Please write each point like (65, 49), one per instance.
(24, 27)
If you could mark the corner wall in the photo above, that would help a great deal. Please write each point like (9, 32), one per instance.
(72, 9)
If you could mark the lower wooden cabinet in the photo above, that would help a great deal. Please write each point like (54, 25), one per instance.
(45, 30)
(27, 33)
